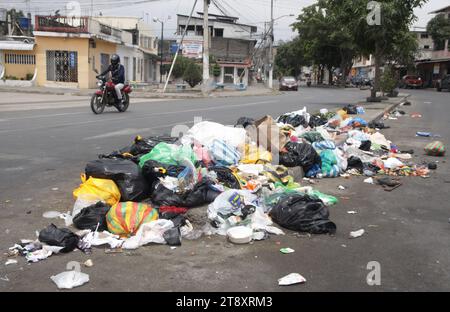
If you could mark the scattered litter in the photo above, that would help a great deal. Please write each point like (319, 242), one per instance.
(51, 214)
(356, 234)
(351, 212)
(416, 115)
(341, 187)
(6, 279)
(432, 166)
(55, 189)
(291, 279)
(11, 261)
(343, 245)
(287, 250)
(369, 181)
(436, 148)
(88, 263)
(173, 247)
(70, 279)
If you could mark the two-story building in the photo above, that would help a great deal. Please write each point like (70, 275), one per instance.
(231, 44)
(140, 58)
(433, 63)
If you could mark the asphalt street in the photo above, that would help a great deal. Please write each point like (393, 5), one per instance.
(46, 141)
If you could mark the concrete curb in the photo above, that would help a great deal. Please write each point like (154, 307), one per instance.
(144, 96)
(390, 108)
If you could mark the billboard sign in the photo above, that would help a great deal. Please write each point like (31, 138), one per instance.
(192, 48)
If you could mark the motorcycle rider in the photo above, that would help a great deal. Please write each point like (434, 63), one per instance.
(117, 76)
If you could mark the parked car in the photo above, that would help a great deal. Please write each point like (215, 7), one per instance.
(288, 83)
(360, 81)
(443, 83)
(411, 81)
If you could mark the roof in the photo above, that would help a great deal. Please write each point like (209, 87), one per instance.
(443, 10)
(253, 28)
(16, 45)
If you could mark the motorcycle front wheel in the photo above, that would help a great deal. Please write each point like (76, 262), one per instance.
(97, 105)
(124, 106)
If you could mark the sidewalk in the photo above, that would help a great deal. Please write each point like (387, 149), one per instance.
(251, 91)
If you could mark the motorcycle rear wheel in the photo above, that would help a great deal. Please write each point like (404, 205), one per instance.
(96, 104)
(124, 106)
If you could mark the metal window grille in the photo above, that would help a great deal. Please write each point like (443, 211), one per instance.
(20, 59)
(62, 66)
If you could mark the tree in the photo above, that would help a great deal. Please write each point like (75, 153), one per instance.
(439, 29)
(327, 42)
(388, 82)
(384, 39)
(290, 58)
(192, 74)
(216, 70)
(180, 67)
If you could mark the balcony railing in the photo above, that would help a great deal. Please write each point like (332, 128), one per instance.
(62, 24)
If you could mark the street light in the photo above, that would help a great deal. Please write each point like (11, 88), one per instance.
(156, 20)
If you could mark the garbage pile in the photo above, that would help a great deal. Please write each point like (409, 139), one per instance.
(248, 175)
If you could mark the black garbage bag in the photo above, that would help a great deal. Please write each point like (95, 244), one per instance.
(153, 170)
(225, 176)
(365, 145)
(294, 120)
(351, 109)
(377, 125)
(244, 122)
(125, 173)
(298, 212)
(355, 163)
(299, 154)
(202, 193)
(173, 236)
(53, 236)
(89, 217)
(143, 146)
(317, 121)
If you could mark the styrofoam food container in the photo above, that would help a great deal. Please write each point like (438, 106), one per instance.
(240, 235)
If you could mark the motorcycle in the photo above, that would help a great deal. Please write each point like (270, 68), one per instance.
(106, 96)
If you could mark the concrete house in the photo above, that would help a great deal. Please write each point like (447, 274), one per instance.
(232, 44)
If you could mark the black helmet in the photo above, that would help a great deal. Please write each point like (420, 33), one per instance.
(115, 59)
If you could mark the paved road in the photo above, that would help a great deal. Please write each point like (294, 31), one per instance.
(45, 148)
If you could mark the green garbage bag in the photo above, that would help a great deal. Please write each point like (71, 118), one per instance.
(169, 154)
(312, 136)
(328, 200)
(328, 160)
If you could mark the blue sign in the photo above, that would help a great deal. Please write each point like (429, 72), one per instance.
(72, 59)
(173, 48)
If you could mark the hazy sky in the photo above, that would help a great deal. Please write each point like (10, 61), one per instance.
(254, 12)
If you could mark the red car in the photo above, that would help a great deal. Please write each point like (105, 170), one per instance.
(411, 81)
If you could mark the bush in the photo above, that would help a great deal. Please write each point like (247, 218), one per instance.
(216, 70)
(29, 76)
(388, 81)
(180, 67)
(192, 74)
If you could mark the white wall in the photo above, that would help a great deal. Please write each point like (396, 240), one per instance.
(125, 51)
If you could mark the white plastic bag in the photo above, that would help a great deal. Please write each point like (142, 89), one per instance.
(392, 163)
(206, 132)
(151, 232)
(70, 279)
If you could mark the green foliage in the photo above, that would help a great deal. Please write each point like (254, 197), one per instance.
(192, 74)
(180, 66)
(388, 82)
(29, 76)
(290, 58)
(439, 29)
(216, 70)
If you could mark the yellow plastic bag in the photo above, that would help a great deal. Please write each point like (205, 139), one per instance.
(255, 155)
(343, 114)
(124, 219)
(103, 189)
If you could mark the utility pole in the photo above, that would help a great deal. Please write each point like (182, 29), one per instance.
(271, 46)
(205, 46)
(162, 52)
